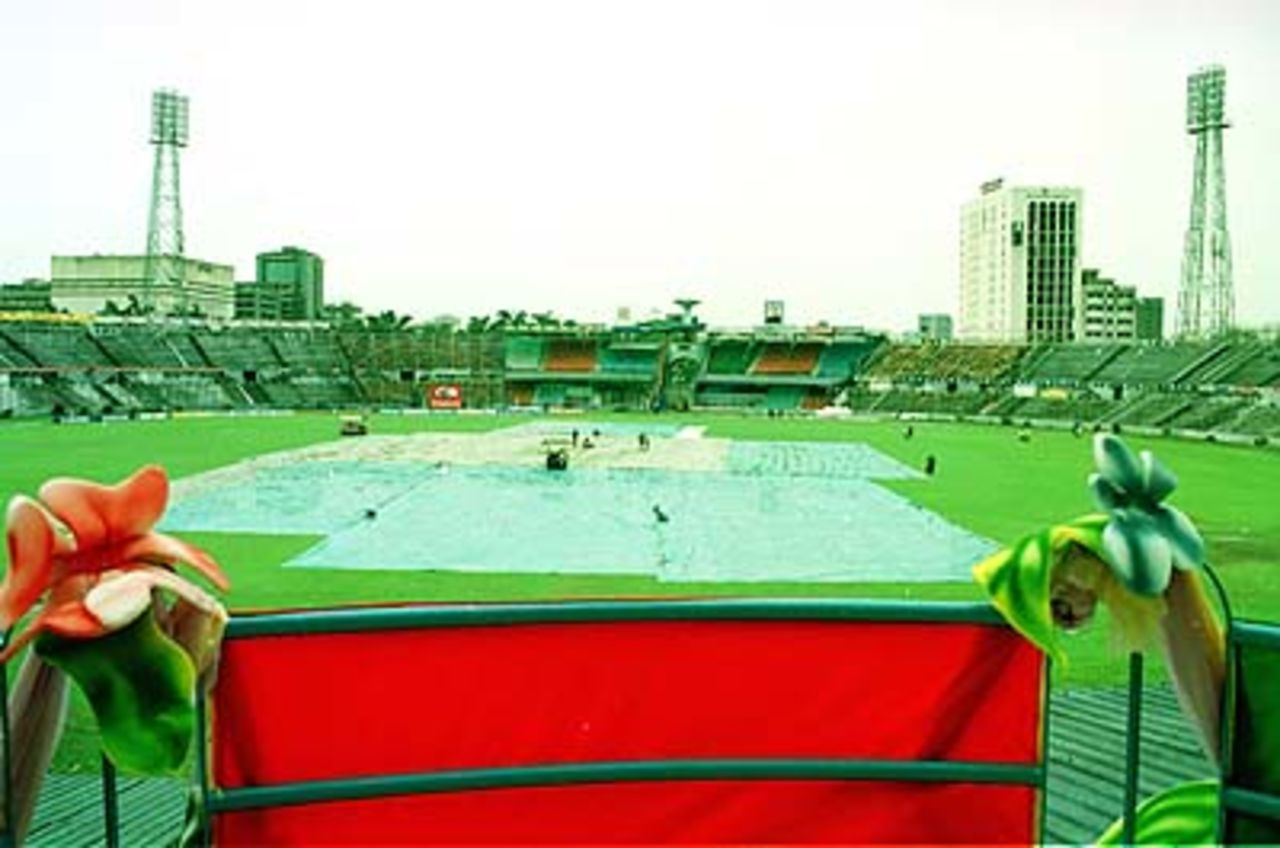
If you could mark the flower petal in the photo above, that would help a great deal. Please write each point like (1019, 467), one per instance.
(1184, 540)
(64, 613)
(1157, 480)
(1138, 554)
(160, 548)
(1117, 463)
(100, 515)
(121, 596)
(199, 631)
(32, 546)
(1105, 493)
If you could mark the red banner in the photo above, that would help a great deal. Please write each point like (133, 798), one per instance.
(444, 396)
(292, 708)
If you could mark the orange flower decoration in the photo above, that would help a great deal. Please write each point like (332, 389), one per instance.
(90, 548)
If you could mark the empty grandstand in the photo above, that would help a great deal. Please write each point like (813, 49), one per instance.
(73, 366)
(1229, 386)
(779, 374)
(584, 369)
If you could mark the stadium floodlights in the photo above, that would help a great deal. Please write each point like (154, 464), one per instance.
(169, 118)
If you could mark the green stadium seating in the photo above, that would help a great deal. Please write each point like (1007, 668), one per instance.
(730, 357)
(523, 354)
(570, 356)
(629, 360)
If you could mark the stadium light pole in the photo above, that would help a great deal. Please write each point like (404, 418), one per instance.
(165, 265)
(1206, 298)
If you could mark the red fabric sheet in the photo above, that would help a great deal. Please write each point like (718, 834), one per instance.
(344, 705)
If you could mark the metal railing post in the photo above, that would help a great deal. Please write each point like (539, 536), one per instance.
(110, 804)
(1132, 752)
(7, 838)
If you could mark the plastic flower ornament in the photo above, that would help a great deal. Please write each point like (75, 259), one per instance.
(1144, 538)
(89, 552)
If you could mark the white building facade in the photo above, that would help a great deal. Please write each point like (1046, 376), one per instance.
(1020, 265)
(88, 283)
(1110, 310)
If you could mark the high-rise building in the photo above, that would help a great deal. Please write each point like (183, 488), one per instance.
(1110, 310)
(935, 327)
(1019, 265)
(289, 287)
(1149, 319)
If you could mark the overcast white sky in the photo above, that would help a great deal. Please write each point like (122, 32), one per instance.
(577, 156)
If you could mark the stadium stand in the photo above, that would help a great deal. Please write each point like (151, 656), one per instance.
(632, 360)
(714, 396)
(841, 360)
(1261, 419)
(933, 402)
(315, 351)
(1209, 414)
(1262, 369)
(778, 358)
(570, 356)
(313, 392)
(784, 398)
(138, 347)
(237, 350)
(185, 349)
(929, 363)
(550, 394)
(730, 356)
(1151, 410)
(1068, 363)
(1085, 408)
(119, 396)
(523, 354)
(57, 346)
(1149, 365)
(116, 366)
(12, 356)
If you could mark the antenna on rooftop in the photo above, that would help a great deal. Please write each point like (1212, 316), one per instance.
(686, 305)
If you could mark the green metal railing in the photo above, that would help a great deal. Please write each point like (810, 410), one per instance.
(1233, 798)
(630, 771)
(356, 620)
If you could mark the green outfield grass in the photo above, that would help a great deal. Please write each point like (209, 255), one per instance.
(987, 481)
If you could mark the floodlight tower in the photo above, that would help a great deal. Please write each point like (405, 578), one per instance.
(1206, 299)
(165, 244)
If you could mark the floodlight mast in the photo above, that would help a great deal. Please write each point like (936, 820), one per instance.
(165, 264)
(1206, 297)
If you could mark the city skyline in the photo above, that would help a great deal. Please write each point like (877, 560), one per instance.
(580, 157)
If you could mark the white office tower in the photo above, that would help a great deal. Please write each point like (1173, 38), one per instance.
(1020, 265)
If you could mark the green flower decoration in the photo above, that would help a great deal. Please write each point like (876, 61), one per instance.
(1144, 538)
(1019, 579)
(1185, 814)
